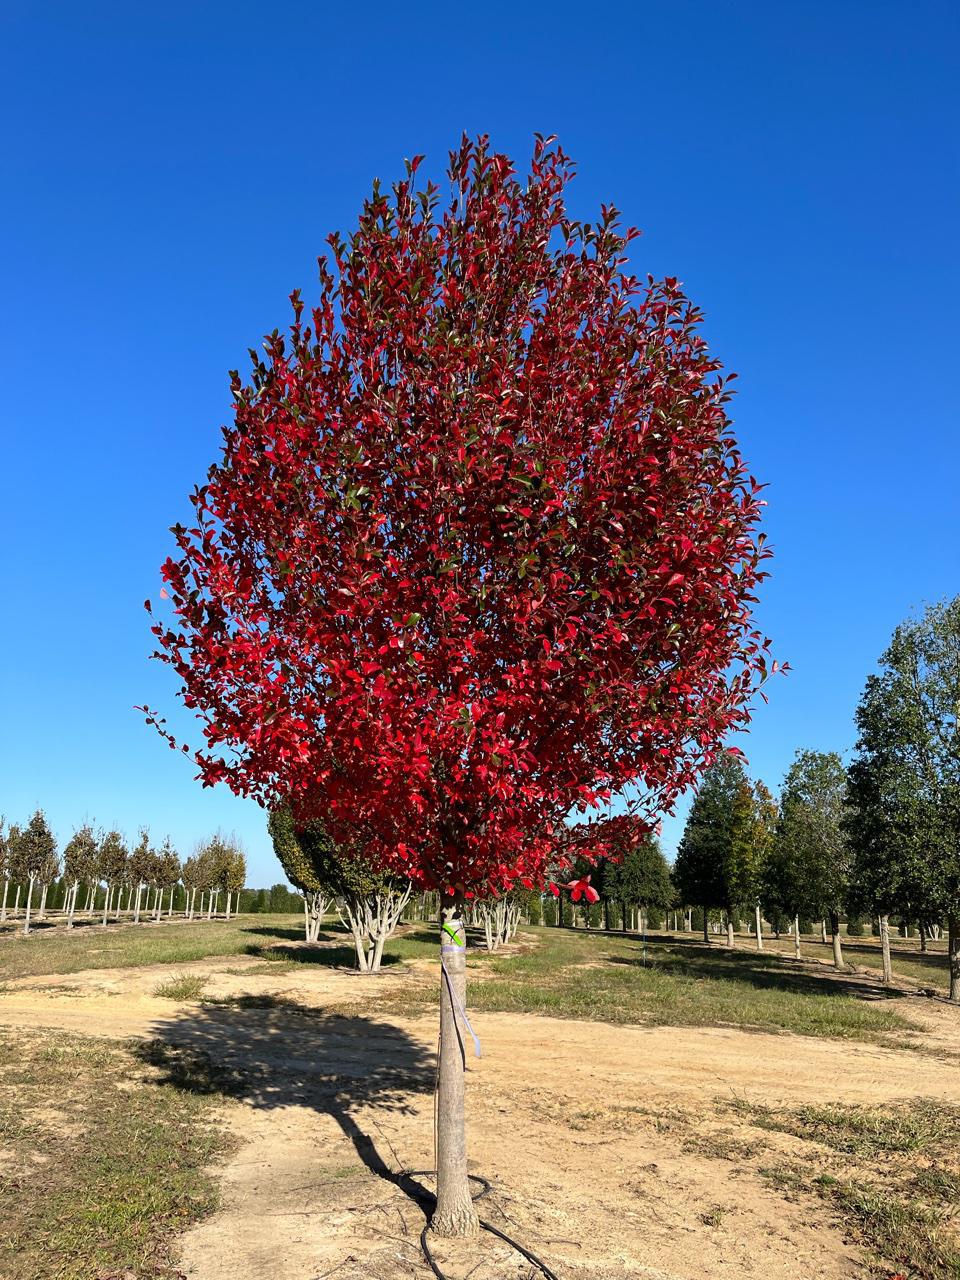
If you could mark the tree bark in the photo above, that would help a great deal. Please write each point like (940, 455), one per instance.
(796, 937)
(730, 938)
(6, 890)
(953, 951)
(835, 937)
(73, 903)
(823, 931)
(455, 1214)
(706, 926)
(26, 922)
(885, 948)
(923, 936)
(42, 912)
(759, 923)
(106, 904)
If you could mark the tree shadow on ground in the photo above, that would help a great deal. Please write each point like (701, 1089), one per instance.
(291, 932)
(272, 1052)
(935, 960)
(332, 956)
(762, 971)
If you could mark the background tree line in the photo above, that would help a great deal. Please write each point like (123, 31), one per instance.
(878, 838)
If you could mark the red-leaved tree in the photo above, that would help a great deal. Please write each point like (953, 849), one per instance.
(480, 552)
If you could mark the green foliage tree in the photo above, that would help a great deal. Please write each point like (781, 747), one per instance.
(808, 871)
(905, 823)
(140, 869)
(4, 867)
(111, 867)
(79, 866)
(33, 850)
(370, 902)
(714, 866)
(167, 873)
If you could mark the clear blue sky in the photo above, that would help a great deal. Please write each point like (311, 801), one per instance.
(170, 173)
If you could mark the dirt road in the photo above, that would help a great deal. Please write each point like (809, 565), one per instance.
(604, 1145)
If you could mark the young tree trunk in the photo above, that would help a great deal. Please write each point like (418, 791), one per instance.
(106, 904)
(953, 951)
(706, 926)
(6, 890)
(823, 931)
(923, 936)
(73, 903)
(227, 912)
(835, 936)
(455, 1214)
(885, 948)
(730, 940)
(26, 922)
(136, 905)
(16, 901)
(91, 894)
(796, 937)
(759, 924)
(42, 912)
(689, 924)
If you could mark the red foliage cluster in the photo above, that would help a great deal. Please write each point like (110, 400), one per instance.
(481, 549)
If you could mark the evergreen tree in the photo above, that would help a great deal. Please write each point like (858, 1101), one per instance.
(808, 869)
(906, 778)
(712, 867)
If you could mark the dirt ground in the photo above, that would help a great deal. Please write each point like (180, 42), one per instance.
(604, 1145)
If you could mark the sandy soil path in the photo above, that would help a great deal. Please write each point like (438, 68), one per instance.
(600, 1142)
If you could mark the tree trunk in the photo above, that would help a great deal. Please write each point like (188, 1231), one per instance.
(759, 923)
(730, 941)
(42, 912)
(454, 1214)
(885, 948)
(606, 914)
(689, 927)
(136, 905)
(106, 904)
(26, 922)
(796, 937)
(6, 890)
(823, 931)
(73, 903)
(953, 950)
(923, 936)
(835, 936)
(16, 901)
(706, 926)
(227, 913)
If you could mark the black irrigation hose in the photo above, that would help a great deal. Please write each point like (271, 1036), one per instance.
(429, 1198)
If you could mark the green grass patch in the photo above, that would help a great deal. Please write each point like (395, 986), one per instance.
(669, 983)
(893, 1176)
(183, 986)
(274, 939)
(928, 968)
(103, 1162)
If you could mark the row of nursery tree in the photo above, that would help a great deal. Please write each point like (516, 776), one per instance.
(98, 874)
(879, 837)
